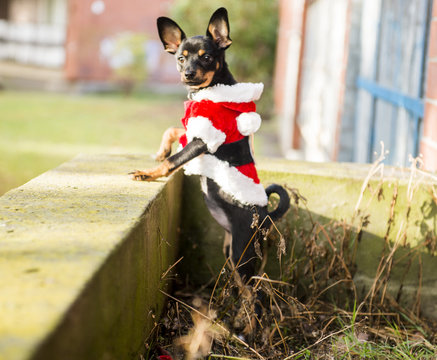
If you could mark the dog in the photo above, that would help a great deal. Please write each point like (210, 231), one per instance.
(219, 118)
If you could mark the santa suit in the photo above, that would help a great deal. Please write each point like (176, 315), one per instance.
(222, 115)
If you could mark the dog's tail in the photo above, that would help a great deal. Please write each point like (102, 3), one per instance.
(284, 201)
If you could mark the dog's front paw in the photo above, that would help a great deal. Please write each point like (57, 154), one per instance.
(152, 174)
(141, 175)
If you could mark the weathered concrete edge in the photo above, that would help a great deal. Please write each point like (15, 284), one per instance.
(114, 315)
(119, 307)
(114, 298)
(332, 191)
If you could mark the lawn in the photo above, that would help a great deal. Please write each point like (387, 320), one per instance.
(39, 131)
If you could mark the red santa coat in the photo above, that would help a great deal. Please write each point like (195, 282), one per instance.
(220, 115)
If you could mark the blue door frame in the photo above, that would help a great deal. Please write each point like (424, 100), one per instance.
(414, 105)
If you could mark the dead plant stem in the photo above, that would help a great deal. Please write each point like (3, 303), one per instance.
(226, 331)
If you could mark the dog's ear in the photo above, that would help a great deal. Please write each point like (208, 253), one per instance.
(218, 28)
(170, 34)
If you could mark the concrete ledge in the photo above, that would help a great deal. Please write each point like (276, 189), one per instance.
(332, 191)
(82, 251)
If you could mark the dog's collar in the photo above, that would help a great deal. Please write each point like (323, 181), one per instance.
(239, 93)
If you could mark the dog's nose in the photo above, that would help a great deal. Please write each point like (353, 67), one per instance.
(189, 74)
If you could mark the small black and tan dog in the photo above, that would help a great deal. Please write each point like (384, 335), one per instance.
(219, 118)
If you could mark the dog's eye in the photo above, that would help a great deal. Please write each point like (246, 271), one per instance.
(181, 59)
(207, 57)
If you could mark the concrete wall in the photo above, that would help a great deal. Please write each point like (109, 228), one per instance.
(82, 252)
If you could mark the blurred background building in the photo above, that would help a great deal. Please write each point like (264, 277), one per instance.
(353, 73)
(348, 73)
(55, 44)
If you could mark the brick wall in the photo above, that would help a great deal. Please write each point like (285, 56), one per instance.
(428, 144)
(287, 72)
(87, 29)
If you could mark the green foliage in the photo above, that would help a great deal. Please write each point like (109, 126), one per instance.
(130, 70)
(253, 30)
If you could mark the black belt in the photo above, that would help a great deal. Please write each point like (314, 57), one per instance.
(236, 153)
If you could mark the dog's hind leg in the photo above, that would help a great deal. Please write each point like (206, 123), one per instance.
(244, 258)
(243, 253)
(168, 138)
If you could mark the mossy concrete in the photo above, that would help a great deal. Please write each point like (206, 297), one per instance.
(82, 252)
(332, 191)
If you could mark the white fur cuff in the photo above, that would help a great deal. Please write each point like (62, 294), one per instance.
(248, 123)
(202, 128)
(230, 180)
(238, 93)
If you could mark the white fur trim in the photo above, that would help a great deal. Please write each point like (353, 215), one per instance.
(230, 180)
(202, 128)
(238, 93)
(248, 123)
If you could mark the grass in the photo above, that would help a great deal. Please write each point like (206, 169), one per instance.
(390, 343)
(38, 131)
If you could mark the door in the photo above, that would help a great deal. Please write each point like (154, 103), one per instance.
(394, 37)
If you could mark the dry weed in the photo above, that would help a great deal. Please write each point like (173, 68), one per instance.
(313, 310)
